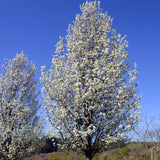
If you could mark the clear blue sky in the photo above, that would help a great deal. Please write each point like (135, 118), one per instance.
(34, 26)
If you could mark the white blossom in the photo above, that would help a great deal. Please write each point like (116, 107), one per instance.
(92, 83)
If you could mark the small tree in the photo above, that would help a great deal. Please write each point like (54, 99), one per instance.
(19, 124)
(90, 91)
(148, 133)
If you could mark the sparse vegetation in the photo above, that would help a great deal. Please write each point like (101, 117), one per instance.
(69, 155)
(125, 153)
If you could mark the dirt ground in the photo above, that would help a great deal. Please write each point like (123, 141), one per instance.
(39, 157)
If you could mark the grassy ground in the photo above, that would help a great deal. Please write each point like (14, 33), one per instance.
(133, 151)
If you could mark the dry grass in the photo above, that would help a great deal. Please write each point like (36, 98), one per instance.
(136, 150)
(44, 156)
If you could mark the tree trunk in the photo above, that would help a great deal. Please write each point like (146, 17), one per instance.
(89, 151)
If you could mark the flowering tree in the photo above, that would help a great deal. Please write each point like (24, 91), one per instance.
(18, 108)
(90, 91)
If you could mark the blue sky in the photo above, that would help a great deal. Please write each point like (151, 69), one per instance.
(34, 26)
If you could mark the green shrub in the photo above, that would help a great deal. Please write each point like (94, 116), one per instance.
(105, 157)
(119, 155)
(96, 156)
(48, 145)
(126, 151)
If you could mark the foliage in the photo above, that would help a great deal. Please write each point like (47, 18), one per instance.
(119, 155)
(19, 124)
(96, 156)
(105, 157)
(90, 92)
(49, 144)
(126, 151)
